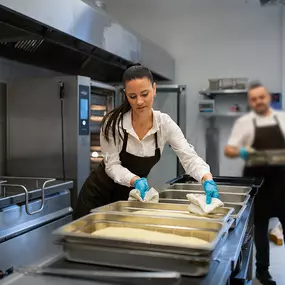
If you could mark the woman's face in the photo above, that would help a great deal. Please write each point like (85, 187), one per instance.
(140, 93)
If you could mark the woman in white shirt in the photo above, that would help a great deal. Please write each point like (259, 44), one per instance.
(132, 140)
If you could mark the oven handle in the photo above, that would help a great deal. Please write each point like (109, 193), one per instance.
(27, 196)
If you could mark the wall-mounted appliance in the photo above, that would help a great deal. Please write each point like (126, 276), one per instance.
(276, 101)
(207, 106)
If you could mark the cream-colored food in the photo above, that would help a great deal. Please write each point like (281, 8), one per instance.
(140, 235)
(166, 214)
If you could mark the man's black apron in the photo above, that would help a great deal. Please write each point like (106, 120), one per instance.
(270, 200)
(99, 189)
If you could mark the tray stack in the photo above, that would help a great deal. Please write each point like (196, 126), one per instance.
(169, 216)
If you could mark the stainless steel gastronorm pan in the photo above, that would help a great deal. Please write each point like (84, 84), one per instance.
(237, 213)
(139, 259)
(130, 207)
(80, 231)
(238, 209)
(199, 187)
(267, 157)
(180, 196)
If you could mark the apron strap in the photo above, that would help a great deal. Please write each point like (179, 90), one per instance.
(125, 142)
(280, 128)
(156, 144)
(254, 123)
(276, 120)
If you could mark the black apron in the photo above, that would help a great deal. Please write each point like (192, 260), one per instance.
(99, 189)
(269, 201)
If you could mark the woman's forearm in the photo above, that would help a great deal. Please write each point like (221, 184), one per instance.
(133, 180)
(207, 176)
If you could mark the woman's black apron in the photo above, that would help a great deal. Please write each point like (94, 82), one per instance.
(99, 189)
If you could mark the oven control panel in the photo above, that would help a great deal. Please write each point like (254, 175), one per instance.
(84, 95)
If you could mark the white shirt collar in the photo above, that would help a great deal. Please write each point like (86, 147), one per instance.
(127, 123)
(255, 115)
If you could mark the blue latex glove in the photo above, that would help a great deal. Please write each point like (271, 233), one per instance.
(211, 190)
(142, 185)
(243, 153)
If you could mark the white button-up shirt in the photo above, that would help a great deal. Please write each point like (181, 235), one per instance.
(167, 132)
(242, 134)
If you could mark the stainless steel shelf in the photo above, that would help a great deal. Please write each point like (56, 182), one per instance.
(208, 92)
(229, 114)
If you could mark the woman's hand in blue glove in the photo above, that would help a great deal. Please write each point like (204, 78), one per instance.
(142, 185)
(211, 190)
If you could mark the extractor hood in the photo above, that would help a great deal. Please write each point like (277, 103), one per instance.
(72, 37)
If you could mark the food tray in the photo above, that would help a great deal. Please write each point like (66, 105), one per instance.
(180, 196)
(79, 231)
(220, 214)
(237, 213)
(79, 246)
(139, 259)
(268, 157)
(238, 209)
(253, 182)
(222, 188)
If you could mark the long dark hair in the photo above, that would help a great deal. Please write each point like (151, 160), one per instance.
(114, 119)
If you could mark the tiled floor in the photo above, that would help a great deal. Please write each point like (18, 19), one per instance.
(277, 261)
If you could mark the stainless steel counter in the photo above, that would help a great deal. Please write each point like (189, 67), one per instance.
(220, 272)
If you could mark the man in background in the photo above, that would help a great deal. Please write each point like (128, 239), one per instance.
(261, 129)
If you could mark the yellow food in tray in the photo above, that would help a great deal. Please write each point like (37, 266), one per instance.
(147, 236)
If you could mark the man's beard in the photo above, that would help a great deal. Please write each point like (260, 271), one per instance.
(262, 111)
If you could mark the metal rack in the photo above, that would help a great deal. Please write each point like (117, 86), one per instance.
(229, 98)
(24, 189)
(30, 209)
(15, 185)
(102, 100)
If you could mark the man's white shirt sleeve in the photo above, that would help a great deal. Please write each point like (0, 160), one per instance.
(237, 135)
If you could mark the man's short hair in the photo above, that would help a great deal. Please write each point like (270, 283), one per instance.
(254, 84)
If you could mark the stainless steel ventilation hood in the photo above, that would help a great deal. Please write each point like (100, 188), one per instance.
(72, 37)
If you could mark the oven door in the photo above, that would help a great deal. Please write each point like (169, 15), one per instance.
(102, 100)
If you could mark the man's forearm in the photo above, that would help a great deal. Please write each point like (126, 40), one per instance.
(231, 151)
